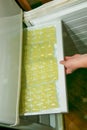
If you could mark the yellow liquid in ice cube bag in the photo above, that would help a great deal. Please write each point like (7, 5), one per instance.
(39, 71)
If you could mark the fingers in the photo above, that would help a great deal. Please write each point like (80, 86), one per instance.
(70, 63)
(76, 55)
(67, 57)
(70, 57)
(68, 71)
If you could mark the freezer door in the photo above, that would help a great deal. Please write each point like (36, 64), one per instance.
(10, 60)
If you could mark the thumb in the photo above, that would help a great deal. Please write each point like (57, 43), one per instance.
(62, 62)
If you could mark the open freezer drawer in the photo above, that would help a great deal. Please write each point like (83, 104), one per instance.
(43, 78)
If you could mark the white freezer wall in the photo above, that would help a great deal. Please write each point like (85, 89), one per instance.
(10, 60)
(8, 8)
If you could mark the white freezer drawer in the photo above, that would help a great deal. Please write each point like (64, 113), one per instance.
(43, 77)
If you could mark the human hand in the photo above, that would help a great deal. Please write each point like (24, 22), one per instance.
(72, 63)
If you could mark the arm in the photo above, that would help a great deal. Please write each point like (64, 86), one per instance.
(74, 62)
